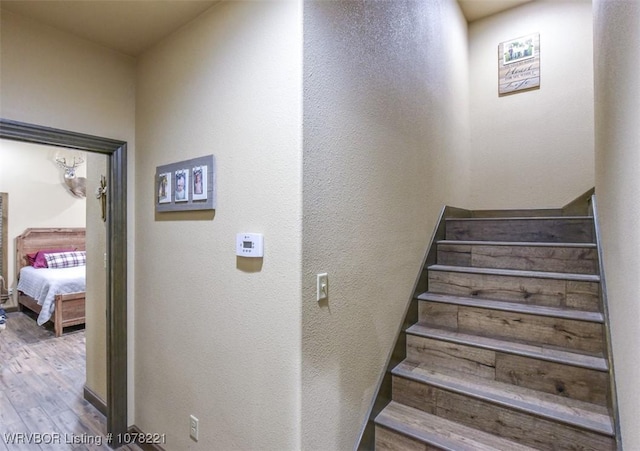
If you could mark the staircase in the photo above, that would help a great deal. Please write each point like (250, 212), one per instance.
(509, 348)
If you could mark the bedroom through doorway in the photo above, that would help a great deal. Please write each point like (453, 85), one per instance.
(47, 379)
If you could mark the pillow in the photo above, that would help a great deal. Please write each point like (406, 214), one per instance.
(66, 259)
(37, 259)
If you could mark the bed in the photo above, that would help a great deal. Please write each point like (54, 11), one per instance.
(60, 299)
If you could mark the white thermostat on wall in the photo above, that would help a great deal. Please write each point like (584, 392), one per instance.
(249, 245)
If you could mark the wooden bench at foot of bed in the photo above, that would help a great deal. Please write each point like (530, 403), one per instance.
(69, 310)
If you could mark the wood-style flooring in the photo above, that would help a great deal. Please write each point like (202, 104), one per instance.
(41, 390)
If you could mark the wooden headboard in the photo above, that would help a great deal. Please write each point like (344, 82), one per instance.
(34, 240)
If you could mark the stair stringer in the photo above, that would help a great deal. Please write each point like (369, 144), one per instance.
(366, 438)
(607, 329)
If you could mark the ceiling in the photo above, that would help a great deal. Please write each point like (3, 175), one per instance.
(129, 26)
(132, 26)
(477, 9)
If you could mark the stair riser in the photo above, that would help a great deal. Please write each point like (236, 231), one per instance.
(518, 426)
(548, 292)
(528, 230)
(450, 357)
(565, 380)
(387, 440)
(550, 377)
(543, 330)
(527, 258)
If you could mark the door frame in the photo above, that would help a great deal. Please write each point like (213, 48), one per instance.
(116, 151)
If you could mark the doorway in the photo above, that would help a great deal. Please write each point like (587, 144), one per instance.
(116, 259)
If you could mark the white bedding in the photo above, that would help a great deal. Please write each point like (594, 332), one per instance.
(42, 284)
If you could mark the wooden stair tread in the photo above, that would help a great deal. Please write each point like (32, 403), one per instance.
(523, 218)
(510, 347)
(569, 411)
(531, 309)
(517, 243)
(439, 432)
(531, 212)
(517, 273)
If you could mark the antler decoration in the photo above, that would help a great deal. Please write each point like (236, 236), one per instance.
(101, 195)
(77, 185)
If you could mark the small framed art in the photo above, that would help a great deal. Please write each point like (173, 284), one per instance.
(186, 185)
(164, 187)
(519, 64)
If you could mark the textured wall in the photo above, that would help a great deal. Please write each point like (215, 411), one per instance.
(533, 149)
(385, 146)
(218, 336)
(617, 94)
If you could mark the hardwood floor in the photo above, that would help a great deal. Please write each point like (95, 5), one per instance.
(41, 390)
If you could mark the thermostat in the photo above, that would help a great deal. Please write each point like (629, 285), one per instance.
(249, 245)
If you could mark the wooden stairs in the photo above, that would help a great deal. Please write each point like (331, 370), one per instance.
(509, 350)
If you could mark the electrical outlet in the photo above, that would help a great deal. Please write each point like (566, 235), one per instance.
(193, 428)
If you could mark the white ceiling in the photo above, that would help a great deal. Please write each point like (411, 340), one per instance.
(129, 26)
(477, 9)
(132, 26)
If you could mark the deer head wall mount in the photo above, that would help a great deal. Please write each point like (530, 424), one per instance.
(77, 185)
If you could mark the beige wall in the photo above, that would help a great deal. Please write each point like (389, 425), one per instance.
(217, 336)
(385, 147)
(617, 90)
(96, 294)
(51, 78)
(533, 149)
(38, 196)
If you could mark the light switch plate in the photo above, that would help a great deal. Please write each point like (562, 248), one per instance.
(322, 287)
(194, 428)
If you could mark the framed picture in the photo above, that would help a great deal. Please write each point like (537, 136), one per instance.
(186, 185)
(199, 188)
(182, 186)
(519, 64)
(164, 187)
(518, 50)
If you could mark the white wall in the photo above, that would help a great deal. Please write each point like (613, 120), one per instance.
(617, 90)
(38, 196)
(54, 79)
(217, 336)
(385, 147)
(533, 149)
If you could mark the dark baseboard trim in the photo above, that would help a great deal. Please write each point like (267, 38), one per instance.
(95, 400)
(133, 429)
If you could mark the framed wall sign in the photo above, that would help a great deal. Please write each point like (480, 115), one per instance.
(519, 64)
(186, 185)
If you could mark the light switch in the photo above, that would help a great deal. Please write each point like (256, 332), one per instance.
(322, 286)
